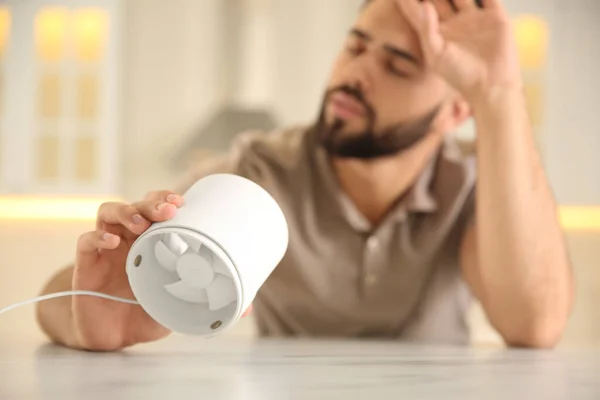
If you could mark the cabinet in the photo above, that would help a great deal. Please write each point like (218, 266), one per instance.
(60, 100)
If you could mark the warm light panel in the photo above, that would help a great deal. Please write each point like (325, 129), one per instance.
(4, 29)
(580, 218)
(50, 208)
(50, 33)
(532, 36)
(90, 34)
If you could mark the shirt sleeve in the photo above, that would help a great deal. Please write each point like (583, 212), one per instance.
(241, 159)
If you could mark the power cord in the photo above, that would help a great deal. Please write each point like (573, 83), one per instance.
(64, 294)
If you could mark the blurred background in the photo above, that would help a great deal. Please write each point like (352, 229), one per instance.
(108, 99)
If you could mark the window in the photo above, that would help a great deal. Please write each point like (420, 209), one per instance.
(69, 79)
(70, 48)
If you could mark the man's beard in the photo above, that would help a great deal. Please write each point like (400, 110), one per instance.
(369, 144)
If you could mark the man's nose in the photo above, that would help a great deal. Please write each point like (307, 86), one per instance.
(360, 73)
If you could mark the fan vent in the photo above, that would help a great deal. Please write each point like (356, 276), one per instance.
(203, 277)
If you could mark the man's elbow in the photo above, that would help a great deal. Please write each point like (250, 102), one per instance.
(536, 335)
(542, 327)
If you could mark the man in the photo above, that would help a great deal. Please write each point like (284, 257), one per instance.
(390, 230)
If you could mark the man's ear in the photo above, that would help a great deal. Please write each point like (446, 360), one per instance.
(457, 111)
(461, 111)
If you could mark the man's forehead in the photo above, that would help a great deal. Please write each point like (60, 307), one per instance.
(385, 15)
(383, 20)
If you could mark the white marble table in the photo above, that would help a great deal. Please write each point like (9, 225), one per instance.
(190, 368)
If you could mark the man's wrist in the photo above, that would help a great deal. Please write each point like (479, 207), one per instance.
(498, 101)
(502, 112)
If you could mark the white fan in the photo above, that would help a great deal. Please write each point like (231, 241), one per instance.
(198, 272)
(203, 277)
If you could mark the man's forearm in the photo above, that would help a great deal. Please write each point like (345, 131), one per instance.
(523, 262)
(55, 316)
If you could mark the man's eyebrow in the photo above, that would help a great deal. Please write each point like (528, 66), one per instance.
(395, 51)
(361, 34)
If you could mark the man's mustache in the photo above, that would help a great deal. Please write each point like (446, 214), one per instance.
(351, 91)
(357, 94)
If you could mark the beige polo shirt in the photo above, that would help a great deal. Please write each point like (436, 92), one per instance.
(342, 277)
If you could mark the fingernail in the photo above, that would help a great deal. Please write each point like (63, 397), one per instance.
(138, 219)
(160, 206)
(171, 198)
(106, 236)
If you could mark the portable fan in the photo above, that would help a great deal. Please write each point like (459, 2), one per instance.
(198, 272)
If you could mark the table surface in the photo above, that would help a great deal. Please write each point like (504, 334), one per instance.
(233, 368)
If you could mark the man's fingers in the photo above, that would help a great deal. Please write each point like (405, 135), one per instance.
(491, 4)
(412, 11)
(166, 196)
(424, 19)
(159, 206)
(247, 312)
(91, 242)
(432, 39)
(444, 9)
(123, 214)
(156, 211)
(465, 5)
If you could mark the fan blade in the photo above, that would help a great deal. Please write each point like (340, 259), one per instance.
(175, 243)
(195, 270)
(220, 267)
(206, 254)
(193, 244)
(184, 292)
(220, 293)
(165, 257)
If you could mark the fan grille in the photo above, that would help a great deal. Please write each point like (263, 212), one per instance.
(202, 277)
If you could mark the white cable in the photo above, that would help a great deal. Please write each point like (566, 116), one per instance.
(64, 294)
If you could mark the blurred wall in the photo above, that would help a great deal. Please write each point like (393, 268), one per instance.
(169, 63)
(571, 140)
